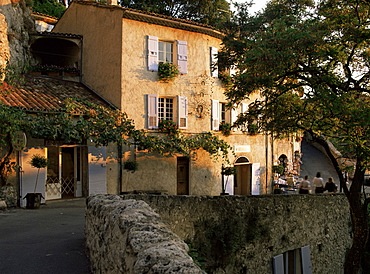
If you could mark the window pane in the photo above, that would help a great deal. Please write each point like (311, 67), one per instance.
(169, 57)
(160, 46)
(161, 57)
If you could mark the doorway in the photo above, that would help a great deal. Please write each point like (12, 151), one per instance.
(247, 177)
(64, 173)
(182, 176)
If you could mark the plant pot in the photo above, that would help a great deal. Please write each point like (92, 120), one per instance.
(53, 73)
(33, 200)
(70, 74)
(35, 72)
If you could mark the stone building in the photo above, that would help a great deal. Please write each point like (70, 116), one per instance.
(120, 52)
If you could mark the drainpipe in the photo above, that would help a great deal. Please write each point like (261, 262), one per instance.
(266, 161)
(120, 166)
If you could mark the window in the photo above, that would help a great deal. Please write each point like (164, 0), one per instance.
(214, 65)
(166, 51)
(221, 114)
(167, 108)
(293, 262)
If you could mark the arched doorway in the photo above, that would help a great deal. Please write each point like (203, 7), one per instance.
(247, 177)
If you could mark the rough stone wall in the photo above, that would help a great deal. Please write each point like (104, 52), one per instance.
(8, 194)
(15, 26)
(244, 233)
(127, 236)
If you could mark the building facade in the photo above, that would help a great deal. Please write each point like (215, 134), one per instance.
(121, 50)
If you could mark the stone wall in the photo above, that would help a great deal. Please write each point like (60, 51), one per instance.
(129, 237)
(8, 194)
(241, 234)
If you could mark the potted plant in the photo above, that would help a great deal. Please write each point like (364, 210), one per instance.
(168, 126)
(225, 128)
(131, 165)
(167, 71)
(252, 129)
(34, 199)
(71, 71)
(225, 78)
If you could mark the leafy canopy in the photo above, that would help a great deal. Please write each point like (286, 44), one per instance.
(210, 12)
(310, 63)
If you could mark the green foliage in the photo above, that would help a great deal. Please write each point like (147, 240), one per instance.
(168, 126)
(218, 241)
(167, 71)
(53, 68)
(309, 61)
(131, 165)
(225, 128)
(38, 161)
(225, 78)
(278, 169)
(48, 7)
(210, 12)
(227, 171)
(194, 254)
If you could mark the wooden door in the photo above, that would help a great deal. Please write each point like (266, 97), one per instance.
(182, 176)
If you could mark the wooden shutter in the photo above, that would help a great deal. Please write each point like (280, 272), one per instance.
(215, 115)
(244, 109)
(152, 109)
(278, 264)
(306, 261)
(152, 53)
(182, 104)
(214, 67)
(182, 56)
(256, 178)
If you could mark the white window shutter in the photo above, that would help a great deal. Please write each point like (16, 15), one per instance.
(152, 108)
(234, 116)
(278, 264)
(182, 112)
(182, 56)
(152, 53)
(244, 109)
(215, 115)
(214, 67)
(306, 261)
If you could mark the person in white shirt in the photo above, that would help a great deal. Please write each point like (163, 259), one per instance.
(318, 183)
(304, 186)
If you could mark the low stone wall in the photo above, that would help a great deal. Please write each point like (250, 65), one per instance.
(126, 236)
(241, 234)
(8, 195)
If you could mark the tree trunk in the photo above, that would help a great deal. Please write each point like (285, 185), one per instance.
(358, 210)
(359, 224)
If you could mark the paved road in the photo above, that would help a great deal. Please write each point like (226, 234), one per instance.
(315, 161)
(49, 240)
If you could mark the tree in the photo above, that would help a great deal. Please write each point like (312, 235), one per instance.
(311, 65)
(210, 12)
(49, 7)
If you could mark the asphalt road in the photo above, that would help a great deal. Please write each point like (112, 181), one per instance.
(48, 240)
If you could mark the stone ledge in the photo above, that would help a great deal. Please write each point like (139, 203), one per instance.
(127, 236)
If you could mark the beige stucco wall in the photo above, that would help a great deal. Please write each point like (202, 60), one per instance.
(101, 50)
(115, 65)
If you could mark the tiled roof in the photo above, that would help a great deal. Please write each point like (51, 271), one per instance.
(44, 17)
(158, 19)
(43, 94)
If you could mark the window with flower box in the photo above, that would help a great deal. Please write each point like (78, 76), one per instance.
(175, 52)
(222, 114)
(167, 108)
